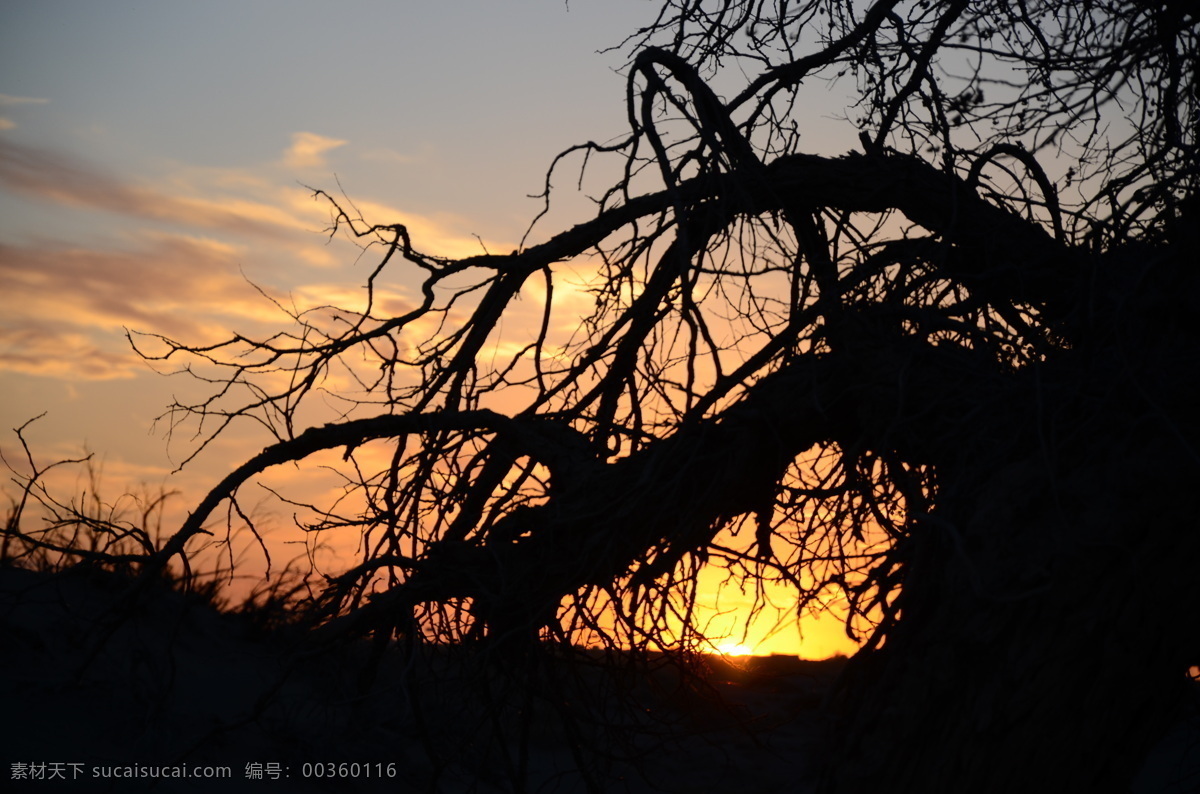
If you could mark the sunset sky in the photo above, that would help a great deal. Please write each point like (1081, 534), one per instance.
(153, 158)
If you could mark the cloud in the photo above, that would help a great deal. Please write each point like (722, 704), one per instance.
(251, 203)
(67, 307)
(180, 286)
(54, 352)
(56, 177)
(308, 150)
(172, 263)
(7, 100)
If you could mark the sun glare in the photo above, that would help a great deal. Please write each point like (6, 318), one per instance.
(734, 649)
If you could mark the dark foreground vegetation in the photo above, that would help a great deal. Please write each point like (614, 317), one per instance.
(180, 680)
(99, 685)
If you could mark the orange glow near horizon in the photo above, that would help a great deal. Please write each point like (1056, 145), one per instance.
(734, 649)
(725, 613)
(738, 618)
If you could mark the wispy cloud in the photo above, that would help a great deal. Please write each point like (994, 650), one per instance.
(308, 150)
(180, 286)
(173, 261)
(253, 203)
(7, 100)
(57, 177)
(55, 352)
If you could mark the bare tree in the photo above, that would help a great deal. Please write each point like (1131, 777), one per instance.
(951, 376)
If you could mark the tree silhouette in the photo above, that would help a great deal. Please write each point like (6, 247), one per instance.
(950, 376)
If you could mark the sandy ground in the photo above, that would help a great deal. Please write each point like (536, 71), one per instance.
(182, 685)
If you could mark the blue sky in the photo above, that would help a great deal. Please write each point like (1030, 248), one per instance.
(153, 157)
(146, 143)
(455, 106)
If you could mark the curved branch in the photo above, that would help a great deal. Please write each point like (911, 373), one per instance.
(1030, 162)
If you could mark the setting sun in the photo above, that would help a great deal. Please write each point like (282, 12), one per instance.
(733, 649)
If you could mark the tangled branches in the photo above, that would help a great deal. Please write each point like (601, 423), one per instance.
(778, 338)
